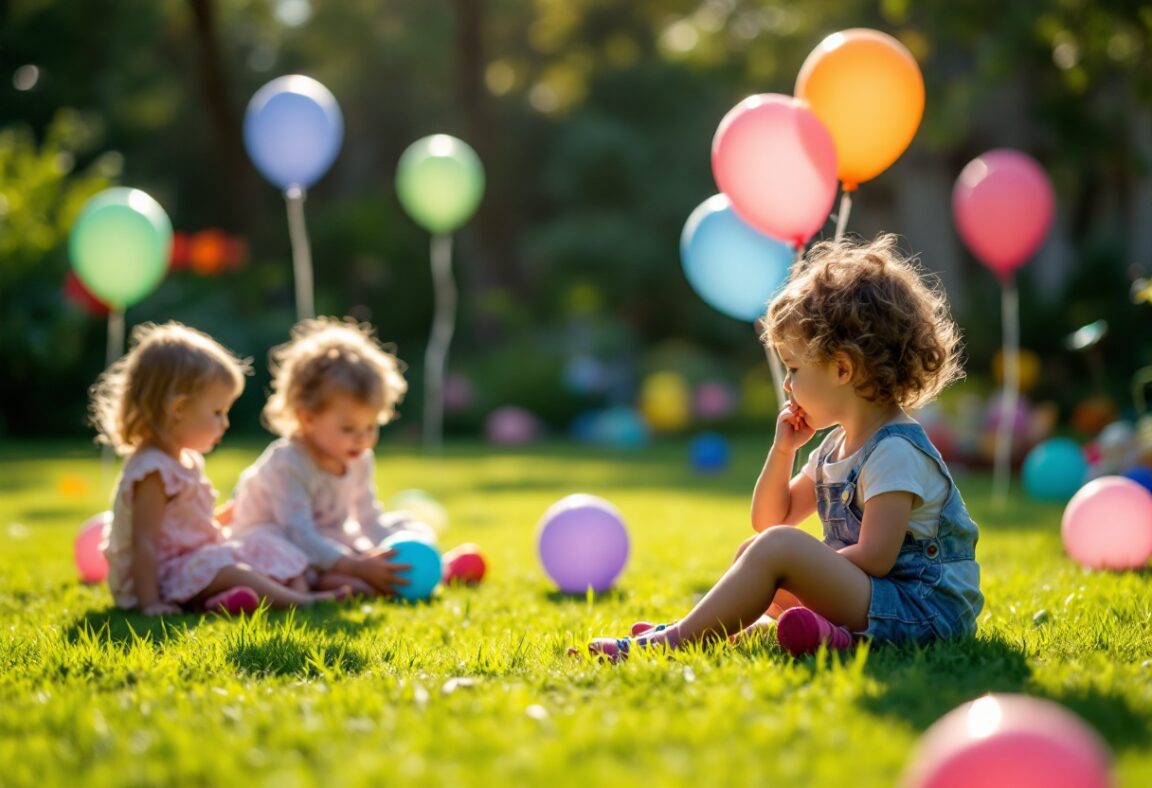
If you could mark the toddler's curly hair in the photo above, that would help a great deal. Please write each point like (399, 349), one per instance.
(129, 402)
(327, 356)
(877, 306)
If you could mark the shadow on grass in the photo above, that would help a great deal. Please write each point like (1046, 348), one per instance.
(920, 685)
(611, 595)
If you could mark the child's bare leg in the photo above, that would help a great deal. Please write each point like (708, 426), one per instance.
(277, 594)
(299, 583)
(828, 583)
(331, 581)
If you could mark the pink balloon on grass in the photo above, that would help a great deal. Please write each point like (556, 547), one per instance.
(583, 543)
(776, 162)
(1002, 203)
(87, 550)
(1108, 524)
(1009, 741)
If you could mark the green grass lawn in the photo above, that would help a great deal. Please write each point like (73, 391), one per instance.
(476, 689)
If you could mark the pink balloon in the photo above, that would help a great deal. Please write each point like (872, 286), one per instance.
(90, 561)
(1003, 204)
(1008, 741)
(776, 162)
(1108, 524)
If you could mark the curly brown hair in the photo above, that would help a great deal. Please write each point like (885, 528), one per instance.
(327, 356)
(878, 307)
(129, 402)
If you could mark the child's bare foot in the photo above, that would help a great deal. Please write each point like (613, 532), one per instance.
(333, 595)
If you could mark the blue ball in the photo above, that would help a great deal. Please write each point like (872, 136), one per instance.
(709, 452)
(1054, 470)
(1141, 474)
(426, 569)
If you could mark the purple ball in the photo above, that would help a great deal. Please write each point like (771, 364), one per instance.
(583, 543)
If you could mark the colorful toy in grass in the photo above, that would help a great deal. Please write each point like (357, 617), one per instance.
(1108, 524)
(619, 427)
(426, 566)
(422, 506)
(1007, 741)
(776, 162)
(88, 549)
(666, 401)
(733, 267)
(1054, 470)
(583, 543)
(708, 453)
(713, 400)
(512, 426)
(464, 564)
(1141, 474)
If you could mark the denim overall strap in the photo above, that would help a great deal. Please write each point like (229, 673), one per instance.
(955, 534)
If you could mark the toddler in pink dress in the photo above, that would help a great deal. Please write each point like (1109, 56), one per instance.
(164, 404)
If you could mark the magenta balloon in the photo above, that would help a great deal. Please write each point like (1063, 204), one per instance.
(776, 162)
(1002, 203)
(1108, 524)
(583, 543)
(90, 561)
(1008, 741)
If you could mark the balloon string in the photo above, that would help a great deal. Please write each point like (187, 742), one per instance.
(443, 325)
(301, 253)
(845, 211)
(1010, 308)
(115, 350)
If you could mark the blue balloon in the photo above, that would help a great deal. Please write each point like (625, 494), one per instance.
(293, 130)
(1054, 470)
(709, 452)
(733, 267)
(426, 570)
(1141, 474)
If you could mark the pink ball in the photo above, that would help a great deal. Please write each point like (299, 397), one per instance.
(1108, 524)
(511, 426)
(90, 561)
(1008, 741)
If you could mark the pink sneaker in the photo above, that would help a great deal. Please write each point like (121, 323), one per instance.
(640, 627)
(611, 650)
(801, 631)
(233, 601)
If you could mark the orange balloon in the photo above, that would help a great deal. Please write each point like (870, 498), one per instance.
(867, 89)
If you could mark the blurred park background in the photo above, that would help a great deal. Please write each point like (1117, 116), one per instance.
(594, 120)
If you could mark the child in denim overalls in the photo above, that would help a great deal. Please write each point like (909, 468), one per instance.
(863, 337)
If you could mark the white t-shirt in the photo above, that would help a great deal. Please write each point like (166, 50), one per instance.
(895, 465)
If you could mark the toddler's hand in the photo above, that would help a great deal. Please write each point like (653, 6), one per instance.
(160, 609)
(382, 574)
(792, 427)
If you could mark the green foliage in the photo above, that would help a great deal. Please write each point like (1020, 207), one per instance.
(476, 687)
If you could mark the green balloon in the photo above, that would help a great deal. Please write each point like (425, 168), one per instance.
(120, 246)
(440, 181)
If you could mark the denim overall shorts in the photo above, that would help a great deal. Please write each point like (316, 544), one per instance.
(933, 591)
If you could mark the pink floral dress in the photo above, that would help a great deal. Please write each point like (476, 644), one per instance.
(190, 547)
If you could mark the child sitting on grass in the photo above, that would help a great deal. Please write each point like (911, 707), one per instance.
(165, 404)
(863, 338)
(314, 488)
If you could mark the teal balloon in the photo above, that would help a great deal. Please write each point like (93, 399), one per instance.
(440, 182)
(120, 246)
(1054, 470)
(734, 268)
